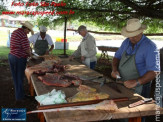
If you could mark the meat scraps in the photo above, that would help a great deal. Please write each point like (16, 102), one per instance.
(87, 93)
(60, 80)
(54, 69)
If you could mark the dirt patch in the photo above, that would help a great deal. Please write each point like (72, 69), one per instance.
(7, 96)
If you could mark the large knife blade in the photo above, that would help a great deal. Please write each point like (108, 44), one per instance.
(35, 54)
(89, 78)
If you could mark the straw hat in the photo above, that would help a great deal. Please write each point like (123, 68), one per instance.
(28, 25)
(133, 28)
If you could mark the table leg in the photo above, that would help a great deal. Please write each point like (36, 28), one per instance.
(136, 119)
(31, 89)
(41, 117)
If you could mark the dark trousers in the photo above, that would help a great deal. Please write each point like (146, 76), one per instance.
(17, 67)
(92, 65)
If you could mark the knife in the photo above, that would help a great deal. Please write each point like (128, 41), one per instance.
(98, 79)
(35, 54)
(89, 79)
(140, 102)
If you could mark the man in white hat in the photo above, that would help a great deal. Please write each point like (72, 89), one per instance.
(135, 61)
(19, 51)
(41, 42)
(87, 48)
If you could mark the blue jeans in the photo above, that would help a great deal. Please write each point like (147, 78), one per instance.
(146, 90)
(92, 65)
(17, 67)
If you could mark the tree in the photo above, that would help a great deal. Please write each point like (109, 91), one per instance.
(107, 14)
(112, 14)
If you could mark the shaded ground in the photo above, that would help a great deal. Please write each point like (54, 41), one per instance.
(7, 98)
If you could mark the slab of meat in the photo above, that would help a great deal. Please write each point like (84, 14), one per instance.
(55, 68)
(72, 78)
(76, 82)
(60, 80)
(54, 80)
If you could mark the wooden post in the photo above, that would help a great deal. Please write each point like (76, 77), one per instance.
(65, 35)
(64, 55)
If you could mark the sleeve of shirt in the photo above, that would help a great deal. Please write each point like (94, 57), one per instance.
(152, 59)
(32, 38)
(91, 47)
(49, 39)
(119, 52)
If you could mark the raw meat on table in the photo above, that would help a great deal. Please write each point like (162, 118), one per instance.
(60, 80)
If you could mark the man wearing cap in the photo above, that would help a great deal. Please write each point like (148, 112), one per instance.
(19, 51)
(135, 61)
(41, 42)
(87, 48)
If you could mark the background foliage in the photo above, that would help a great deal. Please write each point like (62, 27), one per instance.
(106, 15)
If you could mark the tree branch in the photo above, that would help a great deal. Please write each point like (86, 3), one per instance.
(143, 10)
(111, 33)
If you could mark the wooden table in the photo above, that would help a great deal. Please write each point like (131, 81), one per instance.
(104, 58)
(68, 116)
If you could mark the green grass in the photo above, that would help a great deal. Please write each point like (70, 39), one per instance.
(4, 52)
(59, 52)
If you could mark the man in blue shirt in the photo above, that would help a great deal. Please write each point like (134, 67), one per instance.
(135, 61)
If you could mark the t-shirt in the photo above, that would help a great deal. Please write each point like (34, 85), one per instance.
(37, 36)
(146, 54)
(19, 43)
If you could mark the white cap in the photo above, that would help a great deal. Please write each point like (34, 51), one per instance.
(43, 29)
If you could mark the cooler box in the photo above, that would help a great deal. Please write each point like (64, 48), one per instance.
(60, 45)
(62, 40)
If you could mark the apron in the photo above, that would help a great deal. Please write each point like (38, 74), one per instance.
(41, 46)
(84, 52)
(128, 70)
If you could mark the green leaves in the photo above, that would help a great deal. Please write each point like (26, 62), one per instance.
(110, 15)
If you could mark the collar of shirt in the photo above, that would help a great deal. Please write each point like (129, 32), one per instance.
(85, 36)
(21, 29)
(41, 37)
(130, 50)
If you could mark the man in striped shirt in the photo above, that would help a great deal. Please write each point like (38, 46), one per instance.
(19, 52)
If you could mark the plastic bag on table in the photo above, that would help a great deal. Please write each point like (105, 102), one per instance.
(54, 97)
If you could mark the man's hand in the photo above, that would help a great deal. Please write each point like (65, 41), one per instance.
(130, 83)
(47, 53)
(71, 58)
(114, 73)
(82, 58)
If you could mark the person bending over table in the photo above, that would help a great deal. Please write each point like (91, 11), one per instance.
(41, 42)
(87, 48)
(19, 52)
(135, 61)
